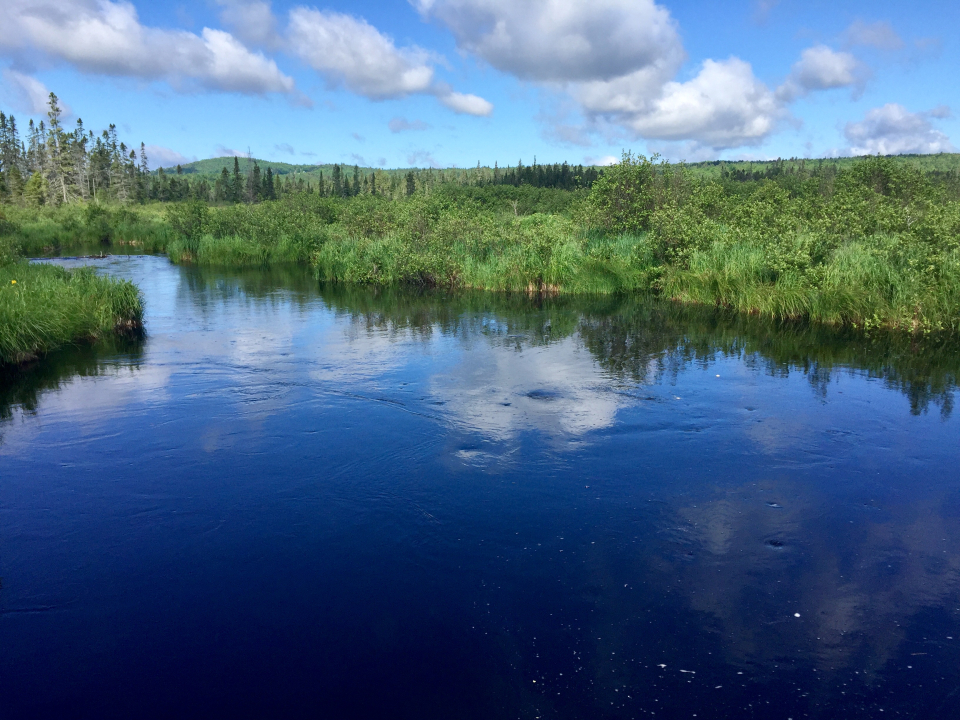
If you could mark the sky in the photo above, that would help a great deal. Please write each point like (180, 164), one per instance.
(441, 83)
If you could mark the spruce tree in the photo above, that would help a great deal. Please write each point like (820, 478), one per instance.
(236, 187)
(337, 182)
(269, 192)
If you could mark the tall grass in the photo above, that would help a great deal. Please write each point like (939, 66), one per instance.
(43, 307)
(875, 244)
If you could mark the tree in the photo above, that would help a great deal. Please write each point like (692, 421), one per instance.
(269, 191)
(337, 182)
(60, 161)
(411, 184)
(221, 191)
(236, 188)
(36, 190)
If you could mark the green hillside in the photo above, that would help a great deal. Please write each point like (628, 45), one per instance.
(939, 163)
(214, 166)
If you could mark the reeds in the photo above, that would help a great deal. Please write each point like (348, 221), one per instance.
(43, 307)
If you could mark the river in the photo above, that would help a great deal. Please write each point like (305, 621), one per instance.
(290, 500)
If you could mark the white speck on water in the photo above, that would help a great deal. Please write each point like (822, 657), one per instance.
(796, 614)
(661, 666)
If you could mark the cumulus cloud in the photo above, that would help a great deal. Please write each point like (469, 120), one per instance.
(349, 51)
(559, 40)
(894, 130)
(163, 157)
(879, 35)
(104, 37)
(723, 106)
(464, 104)
(29, 94)
(619, 60)
(821, 68)
(401, 124)
(252, 21)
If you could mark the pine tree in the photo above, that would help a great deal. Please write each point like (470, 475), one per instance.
(411, 184)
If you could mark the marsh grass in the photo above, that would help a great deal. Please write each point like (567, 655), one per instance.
(43, 307)
(873, 245)
(872, 283)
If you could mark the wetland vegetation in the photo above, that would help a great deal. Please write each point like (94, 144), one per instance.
(867, 243)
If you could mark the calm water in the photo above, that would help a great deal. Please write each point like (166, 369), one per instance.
(293, 501)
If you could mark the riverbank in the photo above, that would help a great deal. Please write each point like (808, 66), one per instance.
(874, 245)
(44, 307)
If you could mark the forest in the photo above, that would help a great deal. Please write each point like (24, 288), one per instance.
(869, 242)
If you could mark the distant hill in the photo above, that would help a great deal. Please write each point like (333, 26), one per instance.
(214, 166)
(942, 162)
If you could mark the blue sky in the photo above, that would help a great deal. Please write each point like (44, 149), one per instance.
(456, 82)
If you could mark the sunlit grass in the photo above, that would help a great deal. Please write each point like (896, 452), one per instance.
(43, 307)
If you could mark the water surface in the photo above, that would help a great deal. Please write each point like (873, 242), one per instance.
(292, 501)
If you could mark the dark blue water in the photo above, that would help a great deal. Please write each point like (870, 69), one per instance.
(294, 501)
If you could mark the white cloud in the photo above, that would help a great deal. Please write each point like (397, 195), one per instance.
(762, 10)
(401, 124)
(723, 106)
(560, 40)
(350, 51)
(103, 37)
(821, 68)
(159, 156)
(894, 130)
(285, 148)
(602, 161)
(879, 35)
(421, 158)
(941, 112)
(224, 151)
(251, 20)
(618, 59)
(464, 104)
(29, 94)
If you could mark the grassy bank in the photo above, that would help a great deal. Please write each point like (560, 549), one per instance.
(43, 307)
(875, 243)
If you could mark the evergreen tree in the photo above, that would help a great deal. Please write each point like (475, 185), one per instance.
(269, 192)
(236, 188)
(60, 162)
(222, 189)
(411, 184)
(337, 182)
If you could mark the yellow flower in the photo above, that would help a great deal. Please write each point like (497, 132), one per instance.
(13, 282)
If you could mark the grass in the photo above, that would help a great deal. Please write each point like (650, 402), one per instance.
(44, 307)
(873, 243)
